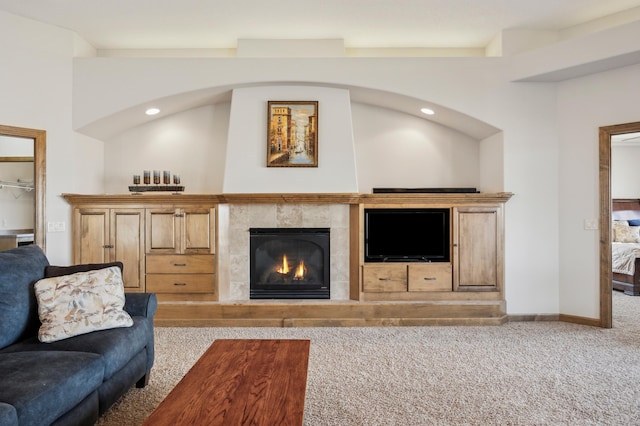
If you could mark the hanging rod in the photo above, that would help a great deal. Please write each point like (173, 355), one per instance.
(22, 185)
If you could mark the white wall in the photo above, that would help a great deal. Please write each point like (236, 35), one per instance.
(392, 149)
(246, 169)
(400, 150)
(36, 86)
(584, 105)
(625, 173)
(192, 144)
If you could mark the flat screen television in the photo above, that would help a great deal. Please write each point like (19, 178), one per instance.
(406, 235)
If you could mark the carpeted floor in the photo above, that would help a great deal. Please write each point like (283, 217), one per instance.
(521, 373)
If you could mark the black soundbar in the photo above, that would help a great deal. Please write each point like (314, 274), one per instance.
(424, 190)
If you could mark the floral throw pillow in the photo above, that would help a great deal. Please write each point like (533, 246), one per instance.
(623, 233)
(80, 303)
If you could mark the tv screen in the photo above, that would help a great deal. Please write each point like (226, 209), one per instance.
(406, 235)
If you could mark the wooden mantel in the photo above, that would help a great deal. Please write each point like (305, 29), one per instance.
(296, 198)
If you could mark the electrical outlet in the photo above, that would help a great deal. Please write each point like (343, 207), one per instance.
(55, 227)
(591, 224)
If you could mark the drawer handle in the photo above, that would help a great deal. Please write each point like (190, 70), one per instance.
(430, 278)
(180, 284)
(108, 246)
(179, 264)
(384, 279)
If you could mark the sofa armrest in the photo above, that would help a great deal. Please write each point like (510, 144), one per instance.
(141, 304)
(8, 415)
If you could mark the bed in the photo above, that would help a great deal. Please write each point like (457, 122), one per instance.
(625, 247)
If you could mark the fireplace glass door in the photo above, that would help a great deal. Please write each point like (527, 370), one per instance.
(289, 263)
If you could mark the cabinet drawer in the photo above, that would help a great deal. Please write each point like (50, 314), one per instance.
(384, 278)
(180, 264)
(180, 283)
(430, 277)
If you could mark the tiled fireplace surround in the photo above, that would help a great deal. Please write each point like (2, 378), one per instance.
(233, 237)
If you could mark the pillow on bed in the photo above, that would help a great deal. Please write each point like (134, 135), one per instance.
(626, 234)
(619, 227)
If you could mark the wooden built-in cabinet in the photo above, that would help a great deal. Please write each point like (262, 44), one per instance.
(170, 245)
(167, 243)
(476, 268)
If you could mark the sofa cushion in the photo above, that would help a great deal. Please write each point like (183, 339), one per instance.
(20, 268)
(80, 303)
(117, 345)
(42, 386)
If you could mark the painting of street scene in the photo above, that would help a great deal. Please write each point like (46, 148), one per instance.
(292, 129)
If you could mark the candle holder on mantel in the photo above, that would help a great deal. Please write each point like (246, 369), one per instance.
(166, 186)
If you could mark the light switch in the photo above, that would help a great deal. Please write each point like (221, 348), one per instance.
(591, 224)
(55, 227)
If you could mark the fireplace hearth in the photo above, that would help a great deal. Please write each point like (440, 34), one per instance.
(289, 263)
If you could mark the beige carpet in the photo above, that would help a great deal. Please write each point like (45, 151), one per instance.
(522, 373)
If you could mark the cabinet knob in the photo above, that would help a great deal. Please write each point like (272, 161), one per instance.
(179, 215)
(108, 246)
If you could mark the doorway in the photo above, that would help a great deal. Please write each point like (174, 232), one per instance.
(605, 135)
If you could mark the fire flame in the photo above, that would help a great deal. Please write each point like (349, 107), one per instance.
(284, 269)
(300, 271)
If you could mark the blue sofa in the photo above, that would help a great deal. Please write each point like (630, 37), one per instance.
(71, 381)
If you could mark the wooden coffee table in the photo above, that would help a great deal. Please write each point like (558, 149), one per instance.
(240, 382)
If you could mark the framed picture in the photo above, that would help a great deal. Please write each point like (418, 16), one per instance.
(292, 134)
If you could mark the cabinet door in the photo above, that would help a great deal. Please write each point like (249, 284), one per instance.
(108, 235)
(127, 239)
(478, 250)
(198, 230)
(91, 236)
(163, 230)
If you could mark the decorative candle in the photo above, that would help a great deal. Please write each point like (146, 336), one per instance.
(156, 177)
(136, 179)
(176, 179)
(147, 177)
(166, 177)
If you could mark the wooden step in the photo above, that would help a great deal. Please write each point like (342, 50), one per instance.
(328, 313)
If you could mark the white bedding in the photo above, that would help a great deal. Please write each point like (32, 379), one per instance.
(624, 256)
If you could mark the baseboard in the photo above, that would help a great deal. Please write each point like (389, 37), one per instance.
(533, 317)
(593, 322)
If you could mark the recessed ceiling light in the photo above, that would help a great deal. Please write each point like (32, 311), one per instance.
(152, 111)
(427, 111)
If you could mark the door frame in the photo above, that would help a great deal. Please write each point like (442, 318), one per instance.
(606, 275)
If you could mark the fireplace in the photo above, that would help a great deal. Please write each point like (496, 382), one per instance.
(289, 263)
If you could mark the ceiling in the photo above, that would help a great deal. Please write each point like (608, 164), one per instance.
(203, 24)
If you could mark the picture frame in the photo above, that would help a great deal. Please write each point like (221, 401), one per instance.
(292, 134)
